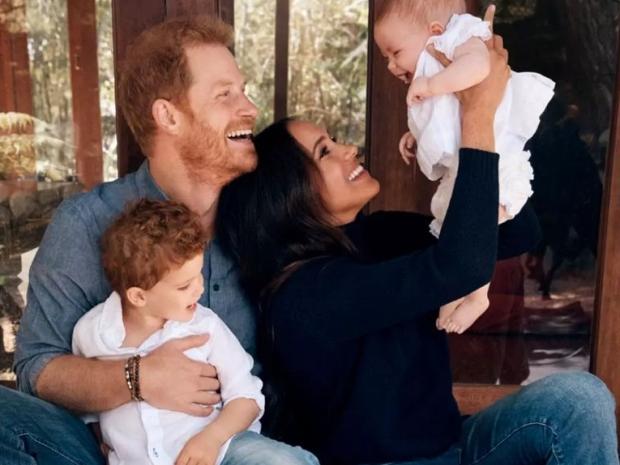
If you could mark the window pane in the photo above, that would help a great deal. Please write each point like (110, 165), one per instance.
(255, 52)
(48, 151)
(541, 312)
(328, 53)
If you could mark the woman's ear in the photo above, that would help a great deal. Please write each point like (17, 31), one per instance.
(166, 115)
(436, 28)
(136, 296)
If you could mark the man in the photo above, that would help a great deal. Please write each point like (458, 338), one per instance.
(183, 97)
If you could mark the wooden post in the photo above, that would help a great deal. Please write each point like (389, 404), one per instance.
(402, 188)
(606, 329)
(82, 22)
(280, 109)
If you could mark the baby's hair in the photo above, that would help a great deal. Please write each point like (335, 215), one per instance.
(425, 11)
(148, 240)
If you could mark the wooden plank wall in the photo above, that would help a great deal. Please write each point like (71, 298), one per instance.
(131, 18)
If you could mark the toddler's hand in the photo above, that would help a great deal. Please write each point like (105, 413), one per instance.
(199, 450)
(407, 147)
(419, 89)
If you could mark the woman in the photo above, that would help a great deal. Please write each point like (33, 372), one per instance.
(349, 306)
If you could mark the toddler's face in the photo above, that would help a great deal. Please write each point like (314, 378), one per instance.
(175, 296)
(401, 42)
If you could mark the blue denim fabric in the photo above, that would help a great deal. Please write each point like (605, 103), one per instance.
(67, 278)
(44, 434)
(563, 419)
(35, 432)
(250, 448)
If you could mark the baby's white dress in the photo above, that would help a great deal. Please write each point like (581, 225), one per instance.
(435, 123)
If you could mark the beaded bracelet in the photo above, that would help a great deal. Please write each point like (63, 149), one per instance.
(132, 377)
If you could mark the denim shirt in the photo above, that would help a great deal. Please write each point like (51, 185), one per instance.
(67, 277)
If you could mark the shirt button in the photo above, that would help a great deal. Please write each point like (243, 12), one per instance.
(216, 287)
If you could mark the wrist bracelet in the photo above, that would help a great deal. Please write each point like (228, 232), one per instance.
(132, 377)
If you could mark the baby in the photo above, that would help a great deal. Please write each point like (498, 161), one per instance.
(403, 30)
(153, 257)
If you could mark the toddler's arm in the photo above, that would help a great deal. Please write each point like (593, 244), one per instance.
(203, 449)
(471, 65)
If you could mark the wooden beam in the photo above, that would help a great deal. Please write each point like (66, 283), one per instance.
(7, 98)
(472, 398)
(129, 19)
(22, 82)
(82, 22)
(280, 109)
(184, 8)
(226, 11)
(402, 187)
(606, 344)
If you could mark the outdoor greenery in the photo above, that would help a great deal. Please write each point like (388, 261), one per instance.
(328, 43)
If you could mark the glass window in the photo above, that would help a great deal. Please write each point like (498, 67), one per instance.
(327, 63)
(43, 145)
(542, 304)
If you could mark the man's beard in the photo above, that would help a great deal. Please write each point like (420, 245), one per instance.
(208, 158)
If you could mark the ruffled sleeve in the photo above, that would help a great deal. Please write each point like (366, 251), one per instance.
(459, 30)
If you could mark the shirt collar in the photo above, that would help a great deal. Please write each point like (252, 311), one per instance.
(112, 329)
(147, 187)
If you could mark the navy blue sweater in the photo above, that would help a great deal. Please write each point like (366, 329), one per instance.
(367, 373)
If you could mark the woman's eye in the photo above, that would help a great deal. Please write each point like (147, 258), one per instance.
(324, 151)
(396, 53)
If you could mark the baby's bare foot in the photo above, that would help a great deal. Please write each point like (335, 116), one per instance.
(445, 312)
(466, 314)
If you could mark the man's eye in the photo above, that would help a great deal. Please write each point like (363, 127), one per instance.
(396, 53)
(224, 94)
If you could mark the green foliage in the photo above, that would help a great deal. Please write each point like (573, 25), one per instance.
(328, 43)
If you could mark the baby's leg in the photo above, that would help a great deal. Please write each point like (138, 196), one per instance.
(445, 312)
(468, 311)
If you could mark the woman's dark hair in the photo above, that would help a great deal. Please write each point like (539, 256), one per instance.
(272, 219)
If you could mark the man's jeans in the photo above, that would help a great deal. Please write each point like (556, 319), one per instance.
(36, 432)
(565, 419)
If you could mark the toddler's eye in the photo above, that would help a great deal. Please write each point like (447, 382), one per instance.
(183, 288)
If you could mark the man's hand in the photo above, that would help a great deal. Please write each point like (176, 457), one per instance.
(170, 380)
(202, 449)
(419, 89)
(407, 147)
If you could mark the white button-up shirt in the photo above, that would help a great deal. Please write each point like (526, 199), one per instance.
(139, 433)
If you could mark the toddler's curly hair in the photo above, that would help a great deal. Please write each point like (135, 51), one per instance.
(148, 240)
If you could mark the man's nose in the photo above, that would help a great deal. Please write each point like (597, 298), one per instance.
(248, 108)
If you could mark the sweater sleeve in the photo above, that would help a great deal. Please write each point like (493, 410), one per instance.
(341, 298)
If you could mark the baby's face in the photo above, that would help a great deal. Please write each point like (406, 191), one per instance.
(401, 42)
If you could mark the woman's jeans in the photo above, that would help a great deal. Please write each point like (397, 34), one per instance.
(565, 419)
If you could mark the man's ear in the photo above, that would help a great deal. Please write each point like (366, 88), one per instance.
(136, 296)
(167, 117)
(436, 28)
